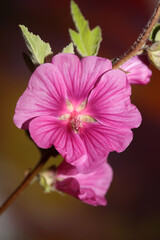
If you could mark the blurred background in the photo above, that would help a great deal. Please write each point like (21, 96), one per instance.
(133, 210)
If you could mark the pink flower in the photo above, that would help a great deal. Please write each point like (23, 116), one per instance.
(82, 107)
(137, 70)
(89, 188)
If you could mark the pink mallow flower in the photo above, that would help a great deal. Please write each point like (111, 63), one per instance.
(82, 107)
(137, 70)
(89, 188)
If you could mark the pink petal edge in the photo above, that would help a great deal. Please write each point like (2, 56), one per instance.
(138, 70)
(45, 95)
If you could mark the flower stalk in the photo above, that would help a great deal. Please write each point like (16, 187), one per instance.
(141, 40)
(44, 158)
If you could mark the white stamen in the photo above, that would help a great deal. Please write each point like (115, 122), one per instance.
(87, 119)
(82, 106)
(69, 105)
(65, 117)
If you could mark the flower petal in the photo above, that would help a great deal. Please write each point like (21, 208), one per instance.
(69, 186)
(91, 188)
(92, 68)
(67, 169)
(99, 140)
(80, 77)
(47, 131)
(137, 70)
(45, 95)
(109, 102)
(99, 182)
(96, 147)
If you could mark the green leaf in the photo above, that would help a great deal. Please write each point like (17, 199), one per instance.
(87, 41)
(68, 49)
(38, 49)
(155, 34)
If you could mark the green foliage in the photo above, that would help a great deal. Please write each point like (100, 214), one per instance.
(68, 49)
(38, 49)
(87, 41)
(155, 34)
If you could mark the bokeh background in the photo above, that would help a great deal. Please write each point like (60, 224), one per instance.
(133, 210)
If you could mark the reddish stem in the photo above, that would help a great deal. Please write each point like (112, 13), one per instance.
(26, 181)
(143, 37)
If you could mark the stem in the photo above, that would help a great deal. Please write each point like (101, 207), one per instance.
(136, 47)
(26, 181)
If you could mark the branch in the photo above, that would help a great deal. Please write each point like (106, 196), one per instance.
(141, 39)
(44, 158)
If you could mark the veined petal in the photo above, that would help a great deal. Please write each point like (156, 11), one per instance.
(137, 70)
(92, 68)
(98, 181)
(45, 95)
(70, 68)
(115, 137)
(109, 102)
(99, 140)
(89, 188)
(80, 77)
(96, 146)
(47, 131)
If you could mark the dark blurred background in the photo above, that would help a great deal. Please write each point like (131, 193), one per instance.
(133, 210)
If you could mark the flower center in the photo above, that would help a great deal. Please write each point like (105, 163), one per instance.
(75, 117)
(75, 121)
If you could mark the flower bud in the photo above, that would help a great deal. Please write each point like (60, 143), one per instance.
(155, 34)
(47, 179)
(90, 188)
(154, 54)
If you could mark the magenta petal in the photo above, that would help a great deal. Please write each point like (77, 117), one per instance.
(109, 102)
(96, 146)
(47, 131)
(98, 180)
(92, 68)
(137, 70)
(80, 77)
(45, 95)
(67, 169)
(87, 195)
(69, 186)
(70, 68)
(90, 188)
(99, 140)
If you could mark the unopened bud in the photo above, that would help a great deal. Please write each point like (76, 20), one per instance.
(154, 54)
(47, 179)
(155, 34)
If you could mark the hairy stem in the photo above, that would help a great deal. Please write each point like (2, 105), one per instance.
(45, 157)
(143, 37)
